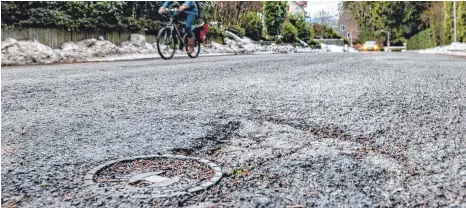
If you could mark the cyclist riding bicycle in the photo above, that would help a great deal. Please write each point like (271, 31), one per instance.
(188, 10)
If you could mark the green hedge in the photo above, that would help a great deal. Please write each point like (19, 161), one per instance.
(80, 15)
(422, 40)
(447, 24)
(118, 16)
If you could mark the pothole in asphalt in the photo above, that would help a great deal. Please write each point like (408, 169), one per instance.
(153, 176)
(183, 151)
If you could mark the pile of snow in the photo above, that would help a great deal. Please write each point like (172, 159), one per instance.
(352, 50)
(303, 43)
(332, 48)
(337, 48)
(237, 45)
(457, 49)
(27, 52)
(245, 47)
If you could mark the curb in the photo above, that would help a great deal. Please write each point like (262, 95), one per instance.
(137, 57)
(156, 56)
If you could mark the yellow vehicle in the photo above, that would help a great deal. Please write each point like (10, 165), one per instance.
(371, 46)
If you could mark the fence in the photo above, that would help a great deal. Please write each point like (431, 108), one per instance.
(338, 42)
(54, 38)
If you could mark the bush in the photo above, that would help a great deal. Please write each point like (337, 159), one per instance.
(216, 33)
(314, 44)
(311, 31)
(345, 41)
(324, 31)
(252, 25)
(330, 33)
(237, 30)
(278, 41)
(299, 22)
(269, 38)
(289, 32)
(422, 40)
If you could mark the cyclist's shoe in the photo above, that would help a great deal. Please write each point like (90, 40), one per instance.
(190, 45)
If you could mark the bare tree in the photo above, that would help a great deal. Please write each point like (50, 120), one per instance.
(229, 12)
(324, 17)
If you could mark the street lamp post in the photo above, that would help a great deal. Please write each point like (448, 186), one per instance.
(351, 38)
(454, 20)
(388, 39)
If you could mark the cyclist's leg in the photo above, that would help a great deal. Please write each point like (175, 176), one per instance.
(189, 31)
(179, 16)
(190, 19)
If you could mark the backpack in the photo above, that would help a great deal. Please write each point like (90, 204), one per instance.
(201, 32)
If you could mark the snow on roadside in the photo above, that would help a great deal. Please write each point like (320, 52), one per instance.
(336, 48)
(129, 57)
(26, 52)
(332, 48)
(457, 49)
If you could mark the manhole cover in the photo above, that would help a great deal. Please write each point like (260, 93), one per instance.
(154, 176)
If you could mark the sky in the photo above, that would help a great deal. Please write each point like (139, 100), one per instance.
(313, 7)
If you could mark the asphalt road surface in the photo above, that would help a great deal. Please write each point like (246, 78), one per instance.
(302, 130)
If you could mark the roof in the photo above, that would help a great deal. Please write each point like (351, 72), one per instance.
(302, 3)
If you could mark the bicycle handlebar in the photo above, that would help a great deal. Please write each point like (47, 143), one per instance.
(172, 10)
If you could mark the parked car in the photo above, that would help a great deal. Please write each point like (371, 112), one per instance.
(371, 46)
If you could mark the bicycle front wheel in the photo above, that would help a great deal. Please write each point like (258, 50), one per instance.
(197, 48)
(166, 45)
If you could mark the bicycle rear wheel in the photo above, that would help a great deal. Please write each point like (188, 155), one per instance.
(197, 48)
(166, 45)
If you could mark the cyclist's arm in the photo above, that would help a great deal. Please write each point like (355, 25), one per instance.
(165, 4)
(186, 5)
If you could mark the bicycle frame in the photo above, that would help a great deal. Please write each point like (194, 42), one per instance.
(173, 24)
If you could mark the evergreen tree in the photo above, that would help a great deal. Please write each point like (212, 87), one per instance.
(275, 13)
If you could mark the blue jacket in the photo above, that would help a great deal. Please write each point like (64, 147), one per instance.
(192, 7)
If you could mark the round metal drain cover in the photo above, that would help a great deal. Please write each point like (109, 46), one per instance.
(153, 176)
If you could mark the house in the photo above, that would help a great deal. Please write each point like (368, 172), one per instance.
(296, 7)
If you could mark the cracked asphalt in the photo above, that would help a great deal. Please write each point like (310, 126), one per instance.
(288, 130)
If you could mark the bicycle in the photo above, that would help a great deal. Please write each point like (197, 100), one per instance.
(170, 36)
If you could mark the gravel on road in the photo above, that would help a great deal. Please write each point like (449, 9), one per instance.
(288, 130)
